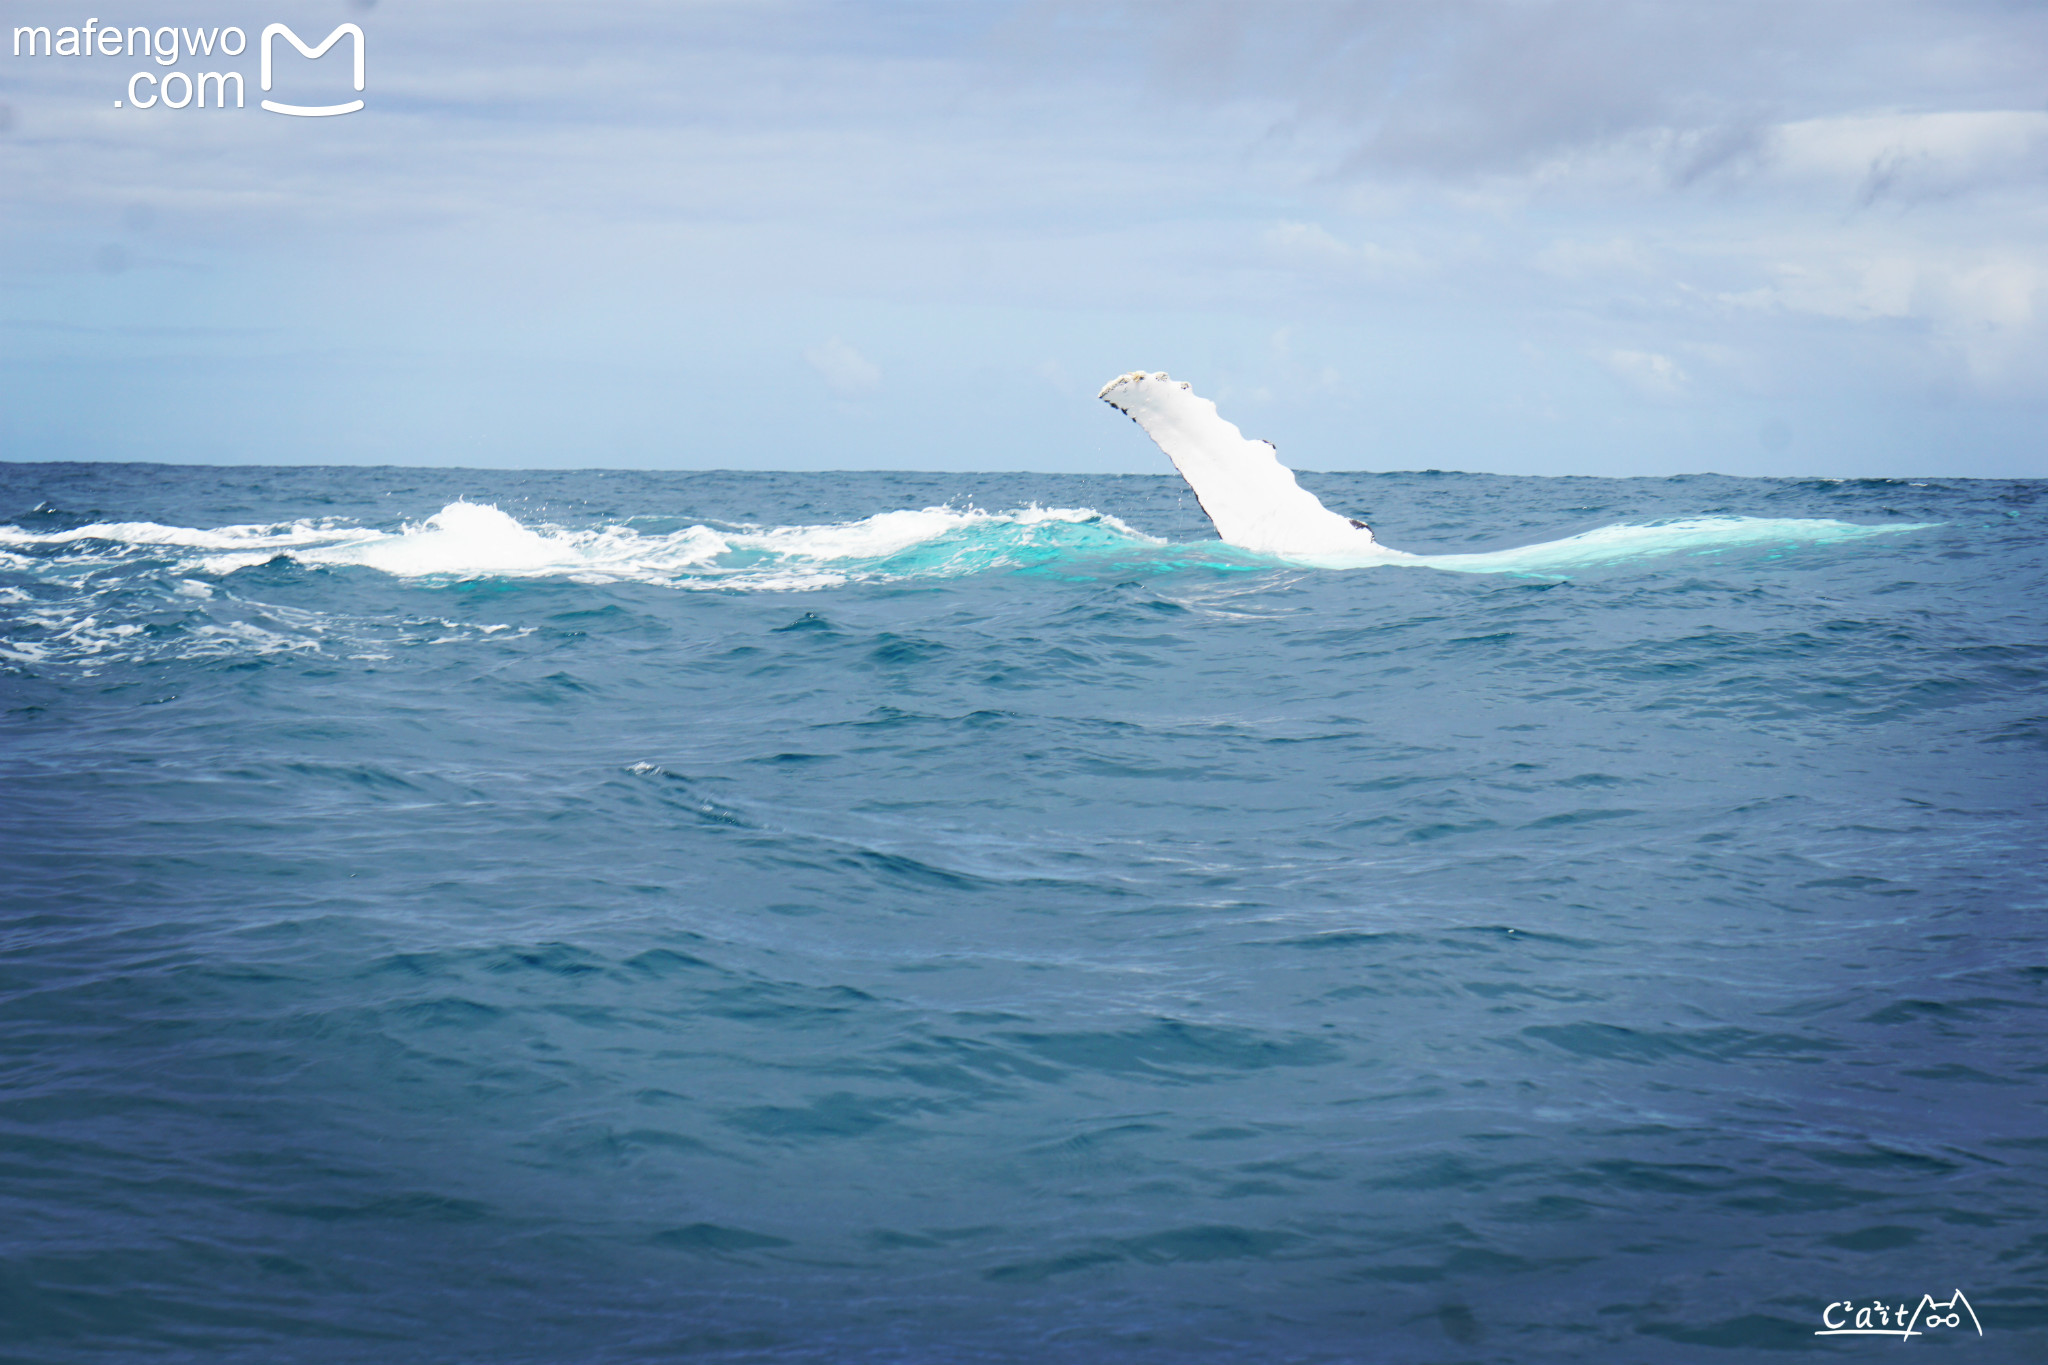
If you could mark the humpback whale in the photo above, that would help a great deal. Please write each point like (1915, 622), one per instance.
(1251, 497)
(1256, 505)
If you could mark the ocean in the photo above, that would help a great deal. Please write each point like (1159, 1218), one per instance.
(458, 915)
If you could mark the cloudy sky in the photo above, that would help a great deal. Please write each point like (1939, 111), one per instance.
(1529, 236)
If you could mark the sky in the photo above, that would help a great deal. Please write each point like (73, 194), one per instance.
(1528, 236)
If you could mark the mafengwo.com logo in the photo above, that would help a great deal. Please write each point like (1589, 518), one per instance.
(168, 47)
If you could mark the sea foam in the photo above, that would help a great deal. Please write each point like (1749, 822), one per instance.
(468, 540)
(479, 540)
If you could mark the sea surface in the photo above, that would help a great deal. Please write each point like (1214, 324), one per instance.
(455, 916)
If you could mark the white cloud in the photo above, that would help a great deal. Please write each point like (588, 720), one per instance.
(1055, 374)
(1575, 260)
(1657, 376)
(1313, 247)
(845, 371)
(1908, 157)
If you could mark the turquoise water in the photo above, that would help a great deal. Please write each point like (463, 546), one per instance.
(460, 915)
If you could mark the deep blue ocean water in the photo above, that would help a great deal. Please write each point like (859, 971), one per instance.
(685, 917)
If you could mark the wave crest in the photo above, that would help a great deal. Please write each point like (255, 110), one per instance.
(466, 540)
(479, 540)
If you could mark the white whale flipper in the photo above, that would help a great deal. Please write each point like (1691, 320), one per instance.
(1250, 496)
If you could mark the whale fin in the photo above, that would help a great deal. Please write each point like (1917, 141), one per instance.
(1251, 497)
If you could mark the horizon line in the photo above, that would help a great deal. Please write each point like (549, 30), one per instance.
(1063, 473)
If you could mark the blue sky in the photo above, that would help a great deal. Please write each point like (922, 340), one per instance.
(1525, 237)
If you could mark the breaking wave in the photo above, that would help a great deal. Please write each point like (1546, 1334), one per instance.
(477, 540)
(467, 540)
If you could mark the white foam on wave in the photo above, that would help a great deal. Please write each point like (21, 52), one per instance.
(478, 540)
(1620, 544)
(276, 535)
(467, 540)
